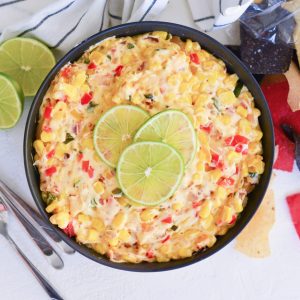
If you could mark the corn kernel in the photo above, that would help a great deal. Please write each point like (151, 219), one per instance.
(227, 213)
(227, 98)
(200, 166)
(76, 115)
(177, 206)
(162, 258)
(245, 170)
(79, 79)
(205, 210)
(206, 223)
(188, 45)
(161, 34)
(221, 193)
(212, 241)
(237, 204)
(60, 105)
(82, 218)
(225, 119)
(60, 150)
(242, 111)
(197, 177)
(122, 201)
(184, 252)
(52, 206)
(92, 236)
(96, 157)
(100, 248)
(257, 135)
(88, 144)
(165, 249)
(114, 241)
(60, 219)
(39, 147)
(98, 224)
(98, 187)
(184, 86)
(147, 215)
(244, 126)
(233, 156)
(203, 138)
(215, 175)
(256, 112)
(47, 136)
(96, 56)
(208, 65)
(119, 220)
(124, 235)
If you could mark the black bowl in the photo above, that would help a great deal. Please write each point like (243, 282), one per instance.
(233, 65)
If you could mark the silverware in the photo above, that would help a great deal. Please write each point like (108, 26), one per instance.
(51, 255)
(43, 281)
(16, 202)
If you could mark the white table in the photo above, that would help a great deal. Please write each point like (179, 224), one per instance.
(226, 275)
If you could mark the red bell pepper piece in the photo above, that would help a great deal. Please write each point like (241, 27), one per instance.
(91, 172)
(150, 254)
(92, 66)
(223, 181)
(234, 217)
(237, 139)
(206, 128)
(241, 148)
(85, 165)
(86, 98)
(69, 230)
(167, 220)
(50, 171)
(118, 70)
(66, 72)
(47, 111)
(80, 156)
(47, 128)
(166, 239)
(51, 153)
(195, 58)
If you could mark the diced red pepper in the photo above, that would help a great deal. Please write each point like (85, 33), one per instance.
(51, 153)
(47, 111)
(223, 181)
(101, 201)
(80, 156)
(294, 207)
(47, 128)
(150, 254)
(69, 230)
(91, 172)
(86, 98)
(206, 128)
(215, 158)
(50, 171)
(66, 72)
(92, 66)
(197, 203)
(166, 239)
(118, 70)
(234, 217)
(195, 58)
(241, 148)
(85, 165)
(167, 220)
(237, 169)
(237, 139)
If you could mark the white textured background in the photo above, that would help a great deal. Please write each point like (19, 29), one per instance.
(226, 275)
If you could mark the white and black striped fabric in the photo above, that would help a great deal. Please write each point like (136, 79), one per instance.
(61, 24)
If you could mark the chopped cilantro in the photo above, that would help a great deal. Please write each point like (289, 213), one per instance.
(129, 98)
(238, 88)
(149, 96)
(91, 106)
(48, 197)
(216, 104)
(69, 138)
(130, 46)
(93, 203)
(86, 61)
(174, 227)
(252, 175)
(168, 36)
(108, 56)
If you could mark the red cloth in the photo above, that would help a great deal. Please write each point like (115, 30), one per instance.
(294, 206)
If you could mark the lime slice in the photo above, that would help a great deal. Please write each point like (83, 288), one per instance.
(115, 131)
(149, 172)
(27, 61)
(11, 102)
(172, 127)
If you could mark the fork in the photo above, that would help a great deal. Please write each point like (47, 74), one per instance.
(42, 280)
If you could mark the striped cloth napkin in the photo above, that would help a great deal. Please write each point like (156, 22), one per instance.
(62, 24)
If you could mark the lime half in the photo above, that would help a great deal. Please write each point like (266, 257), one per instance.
(149, 172)
(27, 61)
(172, 127)
(11, 102)
(115, 131)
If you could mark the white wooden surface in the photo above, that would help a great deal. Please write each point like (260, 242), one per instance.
(226, 275)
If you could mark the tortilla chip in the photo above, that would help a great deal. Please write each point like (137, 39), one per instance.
(294, 206)
(293, 77)
(253, 241)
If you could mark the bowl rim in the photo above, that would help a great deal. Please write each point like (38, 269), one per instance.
(32, 122)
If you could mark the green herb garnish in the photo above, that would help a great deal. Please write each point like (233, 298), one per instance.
(108, 56)
(216, 104)
(149, 96)
(91, 106)
(75, 184)
(86, 61)
(174, 227)
(48, 197)
(168, 36)
(69, 138)
(93, 203)
(238, 88)
(130, 46)
(129, 98)
(252, 175)
(117, 192)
